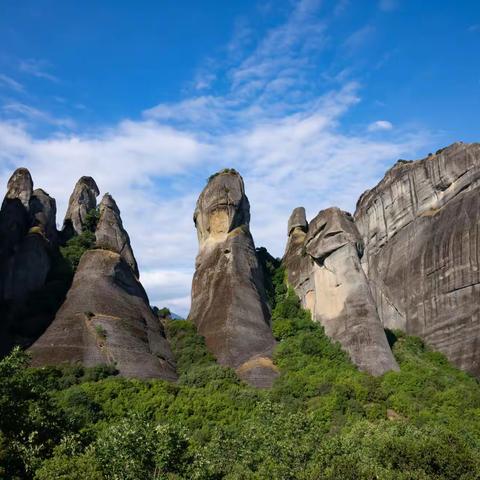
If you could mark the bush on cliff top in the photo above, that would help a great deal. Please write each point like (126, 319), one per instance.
(323, 419)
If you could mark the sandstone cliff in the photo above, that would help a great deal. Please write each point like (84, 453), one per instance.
(323, 265)
(106, 317)
(229, 303)
(421, 229)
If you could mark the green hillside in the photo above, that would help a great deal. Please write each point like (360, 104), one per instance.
(323, 419)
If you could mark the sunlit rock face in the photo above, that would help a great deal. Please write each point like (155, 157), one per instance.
(106, 317)
(421, 230)
(110, 233)
(82, 200)
(323, 266)
(229, 305)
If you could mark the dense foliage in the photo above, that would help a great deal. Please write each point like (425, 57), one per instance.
(323, 419)
(76, 246)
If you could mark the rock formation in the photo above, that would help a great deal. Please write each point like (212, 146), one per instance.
(106, 317)
(27, 242)
(82, 200)
(229, 305)
(323, 265)
(110, 233)
(421, 229)
(43, 212)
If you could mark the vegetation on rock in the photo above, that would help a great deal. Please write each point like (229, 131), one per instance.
(323, 419)
(76, 246)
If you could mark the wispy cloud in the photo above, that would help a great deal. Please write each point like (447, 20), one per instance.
(11, 83)
(37, 68)
(22, 110)
(380, 125)
(276, 123)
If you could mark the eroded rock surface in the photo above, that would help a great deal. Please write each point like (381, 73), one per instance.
(323, 265)
(110, 233)
(229, 305)
(82, 200)
(106, 317)
(27, 241)
(421, 230)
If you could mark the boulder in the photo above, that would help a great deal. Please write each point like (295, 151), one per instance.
(323, 266)
(229, 305)
(421, 230)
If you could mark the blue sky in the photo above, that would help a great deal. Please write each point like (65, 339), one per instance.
(310, 100)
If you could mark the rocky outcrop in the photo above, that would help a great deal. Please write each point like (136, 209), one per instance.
(106, 317)
(229, 304)
(110, 233)
(82, 200)
(323, 265)
(14, 214)
(27, 241)
(421, 230)
(43, 214)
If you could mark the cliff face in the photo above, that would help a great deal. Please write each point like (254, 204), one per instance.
(229, 303)
(421, 229)
(27, 242)
(106, 317)
(110, 233)
(323, 265)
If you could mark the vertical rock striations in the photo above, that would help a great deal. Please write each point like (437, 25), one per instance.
(323, 265)
(229, 303)
(82, 200)
(421, 229)
(110, 233)
(28, 239)
(106, 317)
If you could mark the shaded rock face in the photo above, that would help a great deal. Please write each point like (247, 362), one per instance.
(106, 319)
(323, 265)
(110, 233)
(43, 213)
(229, 305)
(82, 200)
(27, 240)
(421, 229)
(14, 214)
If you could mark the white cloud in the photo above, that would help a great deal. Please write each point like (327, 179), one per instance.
(21, 110)
(282, 133)
(380, 125)
(11, 83)
(37, 68)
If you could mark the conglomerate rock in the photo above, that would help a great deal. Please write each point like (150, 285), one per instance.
(106, 317)
(229, 305)
(27, 239)
(82, 200)
(323, 266)
(421, 230)
(110, 233)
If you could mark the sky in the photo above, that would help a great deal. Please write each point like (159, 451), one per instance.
(310, 100)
